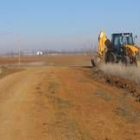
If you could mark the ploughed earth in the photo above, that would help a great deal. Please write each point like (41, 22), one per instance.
(66, 99)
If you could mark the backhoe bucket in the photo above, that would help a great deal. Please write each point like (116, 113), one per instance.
(95, 61)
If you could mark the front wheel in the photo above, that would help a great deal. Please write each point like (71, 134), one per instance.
(126, 60)
(134, 61)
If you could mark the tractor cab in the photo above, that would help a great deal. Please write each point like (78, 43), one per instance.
(119, 40)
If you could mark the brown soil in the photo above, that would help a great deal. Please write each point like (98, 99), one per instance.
(66, 103)
(66, 60)
(129, 86)
(5, 71)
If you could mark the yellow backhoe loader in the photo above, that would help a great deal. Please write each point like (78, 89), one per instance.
(121, 48)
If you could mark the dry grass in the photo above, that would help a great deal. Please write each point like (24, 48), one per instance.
(58, 60)
(5, 71)
(130, 72)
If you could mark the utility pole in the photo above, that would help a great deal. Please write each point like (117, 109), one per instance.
(19, 50)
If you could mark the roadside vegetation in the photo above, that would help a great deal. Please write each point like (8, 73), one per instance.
(132, 73)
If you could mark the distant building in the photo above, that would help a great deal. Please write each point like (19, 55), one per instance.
(39, 53)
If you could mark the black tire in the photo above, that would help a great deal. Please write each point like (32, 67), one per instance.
(110, 57)
(126, 60)
(134, 61)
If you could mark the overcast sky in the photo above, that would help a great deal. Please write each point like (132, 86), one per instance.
(64, 24)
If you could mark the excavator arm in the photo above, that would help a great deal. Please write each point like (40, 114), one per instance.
(103, 43)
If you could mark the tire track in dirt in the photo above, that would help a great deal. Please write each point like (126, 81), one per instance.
(62, 103)
(95, 107)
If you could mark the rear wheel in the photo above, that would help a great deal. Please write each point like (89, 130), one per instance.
(110, 57)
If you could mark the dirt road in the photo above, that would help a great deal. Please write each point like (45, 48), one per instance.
(62, 103)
